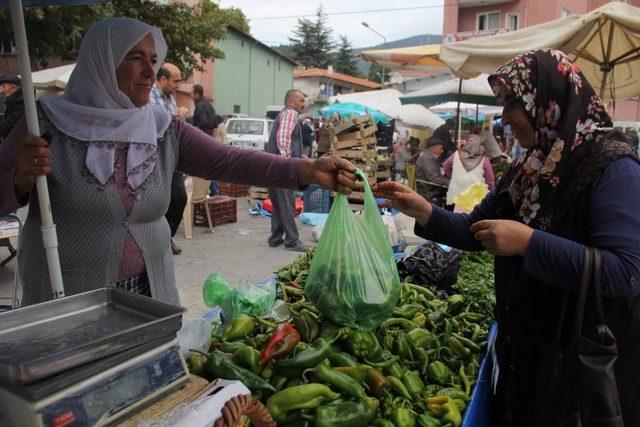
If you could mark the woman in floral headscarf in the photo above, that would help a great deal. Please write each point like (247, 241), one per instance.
(577, 185)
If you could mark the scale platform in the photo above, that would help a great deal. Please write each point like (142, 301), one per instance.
(98, 393)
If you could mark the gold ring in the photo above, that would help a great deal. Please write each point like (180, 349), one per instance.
(36, 161)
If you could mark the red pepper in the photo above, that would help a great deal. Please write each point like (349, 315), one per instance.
(282, 341)
(294, 284)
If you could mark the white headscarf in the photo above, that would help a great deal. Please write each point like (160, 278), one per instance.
(95, 110)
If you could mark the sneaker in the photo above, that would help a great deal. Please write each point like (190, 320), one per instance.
(177, 250)
(298, 247)
(278, 243)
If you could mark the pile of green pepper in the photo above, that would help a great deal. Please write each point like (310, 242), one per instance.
(416, 368)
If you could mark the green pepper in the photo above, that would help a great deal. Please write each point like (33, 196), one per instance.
(372, 403)
(458, 349)
(338, 358)
(387, 342)
(381, 422)
(425, 420)
(249, 358)
(438, 372)
(419, 337)
(339, 380)
(436, 304)
(452, 392)
(297, 423)
(420, 319)
(402, 417)
(460, 404)
(477, 330)
(468, 343)
(398, 387)
(238, 328)
(398, 321)
(220, 365)
(384, 364)
(395, 370)
(407, 311)
(230, 347)
(471, 317)
(293, 382)
(402, 347)
(376, 381)
(445, 408)
(465, 382)
(420, 289)
(358, 372)
(345, 414)
(307, 325)
(306, 396)
(364, 344)
(413, 383)
(308, 358)
(196, 364)
(455, 303)
(278, 382)
(328, 330)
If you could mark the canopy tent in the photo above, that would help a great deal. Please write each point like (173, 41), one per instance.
(423, 57)
(351, 109)
(387, 101)
(52, 78)
(466, 109)
(471, 91)
(605, 44)
(49, 236)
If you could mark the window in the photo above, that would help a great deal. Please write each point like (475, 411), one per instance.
(487, 21)
(513, 21)
(564, 13)
(245, 127)
(236, 109)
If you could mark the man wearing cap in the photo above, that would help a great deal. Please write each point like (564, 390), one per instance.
(11, 87)
(431, 182)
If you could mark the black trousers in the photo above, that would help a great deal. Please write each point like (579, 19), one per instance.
(177, 204)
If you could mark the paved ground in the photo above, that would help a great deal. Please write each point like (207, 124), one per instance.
(238, 251)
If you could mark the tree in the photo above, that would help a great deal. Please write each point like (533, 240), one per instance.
(345, 60)
(54, 32)
(375, 73)
(312, 42)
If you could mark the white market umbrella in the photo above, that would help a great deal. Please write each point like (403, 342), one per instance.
(418, 115)
(52, 78)
(466, 109)
(387, 101)
(49, 236)
(605, 44)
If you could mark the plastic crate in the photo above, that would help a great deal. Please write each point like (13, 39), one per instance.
(222, 208)
(316, 199)
(232, 190)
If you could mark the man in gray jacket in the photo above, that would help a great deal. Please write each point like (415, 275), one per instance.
(430, 179)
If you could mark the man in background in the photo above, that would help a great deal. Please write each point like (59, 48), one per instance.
(443, 133)
(431, 182)
(204, 115)
(11, 87)
(286, 140)
(167, 81)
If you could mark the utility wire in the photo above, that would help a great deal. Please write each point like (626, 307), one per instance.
(351, 12)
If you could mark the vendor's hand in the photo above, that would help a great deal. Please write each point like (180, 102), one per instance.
(33, 158)
(330, 172)
(502, 237)
(404, 199)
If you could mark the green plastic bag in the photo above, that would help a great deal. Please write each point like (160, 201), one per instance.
(353, 278)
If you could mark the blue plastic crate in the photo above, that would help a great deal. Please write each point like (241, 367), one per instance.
(316, 199)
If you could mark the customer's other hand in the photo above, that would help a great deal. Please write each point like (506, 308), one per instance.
(33, 158)
(404, 199)
(503, 237)
(330, 172)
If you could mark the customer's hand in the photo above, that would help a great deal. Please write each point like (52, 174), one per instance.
(502, 237)
(404, 199)
(33, 158)
(330, 172)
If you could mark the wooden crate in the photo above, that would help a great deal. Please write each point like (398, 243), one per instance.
(344, 125)
(232, 190)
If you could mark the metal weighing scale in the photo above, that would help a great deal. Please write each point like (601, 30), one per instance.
(89, 359)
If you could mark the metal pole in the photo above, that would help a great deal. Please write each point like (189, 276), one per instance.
(459, 122)
(49, 237)
(384, 39)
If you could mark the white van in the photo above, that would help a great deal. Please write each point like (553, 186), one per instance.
(272, 111)
(248, 133)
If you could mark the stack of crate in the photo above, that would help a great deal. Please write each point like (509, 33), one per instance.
(354, 139)
(222, 208)
(258, 194)
(232, 190)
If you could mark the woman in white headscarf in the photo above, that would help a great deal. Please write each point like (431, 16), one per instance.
(109, 157)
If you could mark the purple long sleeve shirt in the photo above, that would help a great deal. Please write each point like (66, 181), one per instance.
(613, 224)
(199, 155)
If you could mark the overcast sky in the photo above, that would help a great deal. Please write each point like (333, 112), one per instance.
(414, 17)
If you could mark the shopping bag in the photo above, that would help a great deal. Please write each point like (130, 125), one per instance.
(353, 279)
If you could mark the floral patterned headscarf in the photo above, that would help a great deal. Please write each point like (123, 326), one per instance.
(570, 125)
